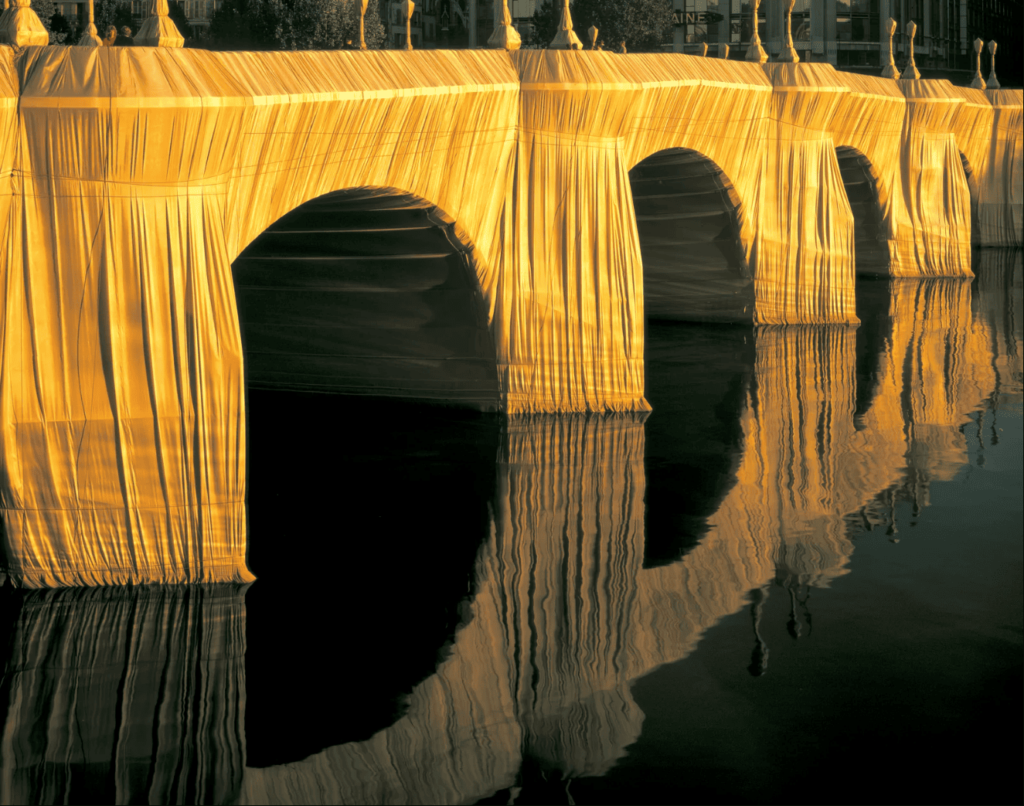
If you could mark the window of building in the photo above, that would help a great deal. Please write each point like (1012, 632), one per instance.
(857, 21)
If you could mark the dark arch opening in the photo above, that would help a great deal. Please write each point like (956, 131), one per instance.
(371, 295)
(368, 292)
(699, 305)
(870, 247)
(972, 186)
(687, 218)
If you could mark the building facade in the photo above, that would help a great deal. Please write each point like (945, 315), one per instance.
(851, 34)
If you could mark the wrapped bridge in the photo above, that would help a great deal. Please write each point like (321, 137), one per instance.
(477, 228)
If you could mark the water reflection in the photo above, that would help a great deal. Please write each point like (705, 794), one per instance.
(138, 695)
(123, 695)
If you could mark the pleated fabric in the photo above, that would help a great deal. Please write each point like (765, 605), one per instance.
(137, 175)
(128, 695)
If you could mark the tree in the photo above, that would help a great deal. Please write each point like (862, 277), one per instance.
(647, 24)
(107, 13)
(293, 25)
(61, 31)
(546, 17)
(644, 25)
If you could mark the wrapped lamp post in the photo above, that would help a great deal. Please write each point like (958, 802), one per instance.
(979, 82)
(90, 38)
(890, 70)
(22, 26)
(363, 5)
(788, 53)
(159, 30)
(755, 53)
(993, 82)
(911, 70)
(408, 7)
(565, 37)
(505, 35)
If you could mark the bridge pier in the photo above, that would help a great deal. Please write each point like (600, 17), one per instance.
(804, 269)
(123, 398)
(936, 198)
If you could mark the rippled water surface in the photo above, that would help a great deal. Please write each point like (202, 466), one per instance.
(798, 580)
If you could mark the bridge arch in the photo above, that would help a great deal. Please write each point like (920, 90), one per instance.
(367, 291)
(688, 216)
(865, 193)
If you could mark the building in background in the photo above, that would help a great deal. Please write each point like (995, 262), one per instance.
(199, 13)
(850, 35)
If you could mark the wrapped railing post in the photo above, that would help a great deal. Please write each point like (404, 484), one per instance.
(505, 36)
(159, 30)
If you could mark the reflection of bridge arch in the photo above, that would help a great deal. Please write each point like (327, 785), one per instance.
(370, 291)
(865, 193)
(694, 264)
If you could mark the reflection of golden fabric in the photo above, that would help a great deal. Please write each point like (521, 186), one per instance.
(143, 687)
(565, 616)
(934, 370)
(1000, 311)
(792, 492)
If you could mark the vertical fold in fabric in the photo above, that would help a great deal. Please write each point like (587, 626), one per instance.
(805, 261)
(140, 691)
(937, 197)
(122, 390)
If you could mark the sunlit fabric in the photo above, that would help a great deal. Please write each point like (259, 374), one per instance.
(135, 693)
(136, 177)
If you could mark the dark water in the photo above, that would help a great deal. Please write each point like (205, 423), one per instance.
(798, 580)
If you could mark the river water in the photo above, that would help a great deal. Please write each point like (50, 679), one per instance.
(799, 579)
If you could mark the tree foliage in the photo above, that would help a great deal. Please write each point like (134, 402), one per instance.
(644, 25)
(107, 13)
(293, 25)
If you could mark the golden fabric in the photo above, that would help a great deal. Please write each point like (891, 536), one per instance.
(137, 175)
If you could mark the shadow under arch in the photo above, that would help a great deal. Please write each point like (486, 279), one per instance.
(861, 182)
(369, 292)
(687, 214)
(873, 267)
